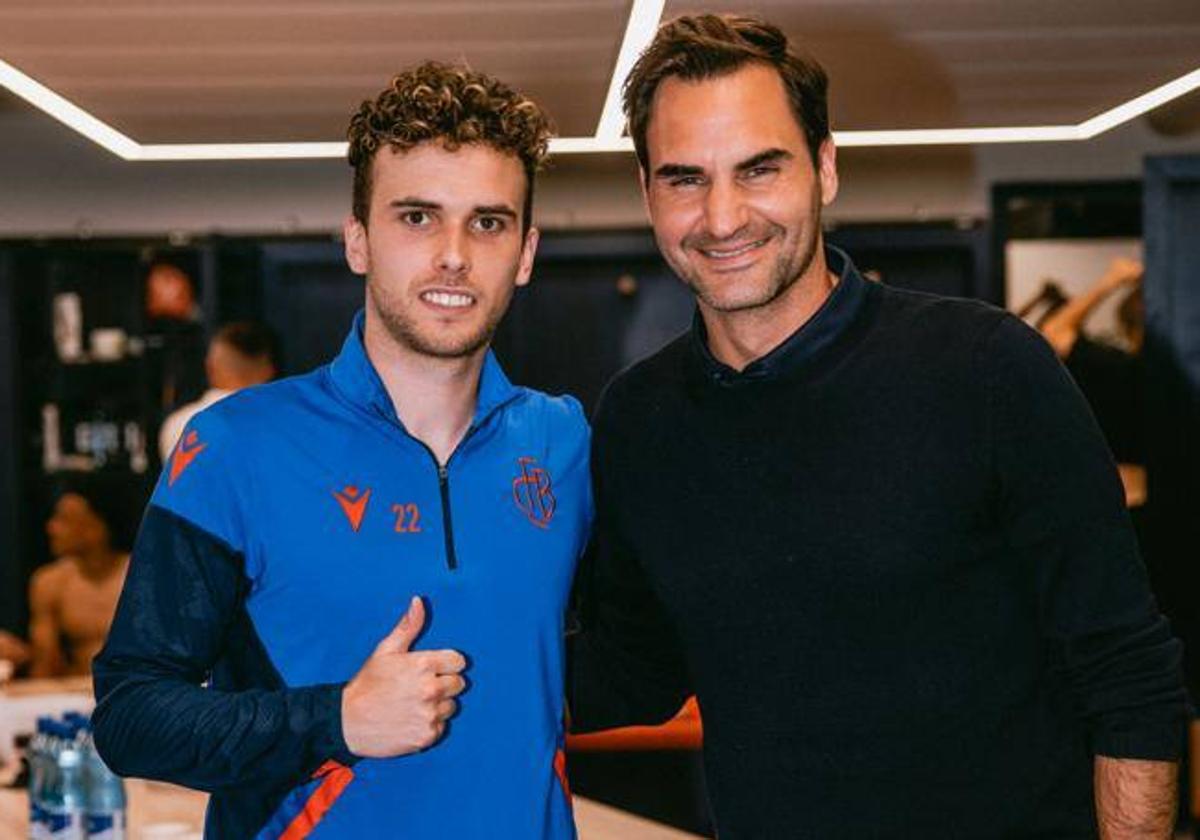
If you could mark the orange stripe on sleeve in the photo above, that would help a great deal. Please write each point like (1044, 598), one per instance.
(337, 777)
(560, 770)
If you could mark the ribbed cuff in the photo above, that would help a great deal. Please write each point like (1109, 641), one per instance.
(329, 741)
(1150, 740)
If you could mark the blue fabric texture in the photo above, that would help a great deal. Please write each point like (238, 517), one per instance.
(286, 537)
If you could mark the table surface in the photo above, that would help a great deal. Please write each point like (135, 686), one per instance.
(159, 804)
(155, 803)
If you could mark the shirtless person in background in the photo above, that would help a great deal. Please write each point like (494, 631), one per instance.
(72, 599)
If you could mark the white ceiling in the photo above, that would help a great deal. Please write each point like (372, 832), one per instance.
(235, 71)
(183, 71)
(899, 64)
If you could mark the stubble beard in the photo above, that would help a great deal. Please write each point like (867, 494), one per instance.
(789, 266)
(405, 331)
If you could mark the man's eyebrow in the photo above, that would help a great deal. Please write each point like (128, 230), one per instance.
(413, 201)
(496, 210)
(768, 156)
(677, 170)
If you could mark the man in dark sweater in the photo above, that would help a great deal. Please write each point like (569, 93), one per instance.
(877, 533)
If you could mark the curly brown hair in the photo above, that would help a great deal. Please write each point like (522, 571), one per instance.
(433, 101)
(697, 47)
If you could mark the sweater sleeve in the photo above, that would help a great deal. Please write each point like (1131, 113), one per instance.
(180, 623)
(1063, 513)
(626, 663)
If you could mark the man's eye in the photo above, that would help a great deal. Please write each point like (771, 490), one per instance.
(761, 171)
(489, 224)
(686, 181)
(415, 218)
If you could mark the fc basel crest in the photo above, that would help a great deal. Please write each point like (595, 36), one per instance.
(532, 492)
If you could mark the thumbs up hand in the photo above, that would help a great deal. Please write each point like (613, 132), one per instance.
(400, 700)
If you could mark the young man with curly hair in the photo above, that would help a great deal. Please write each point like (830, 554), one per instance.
(877, 533)
(296, 522)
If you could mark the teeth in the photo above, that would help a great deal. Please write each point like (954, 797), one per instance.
(447, 298)
(736, 252)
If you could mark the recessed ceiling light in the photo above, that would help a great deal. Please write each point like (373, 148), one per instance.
(239, 151)
(639, 31)
(66, 112)
(643, 20)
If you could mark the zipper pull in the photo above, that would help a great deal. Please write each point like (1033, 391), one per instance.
(443, 472)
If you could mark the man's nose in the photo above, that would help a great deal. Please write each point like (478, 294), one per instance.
(453, 256)
(724, 210)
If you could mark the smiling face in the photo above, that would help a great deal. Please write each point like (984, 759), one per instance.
(442, 248)
(732, 191)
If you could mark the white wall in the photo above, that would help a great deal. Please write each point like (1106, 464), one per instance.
(54, 183)
(1074, 265)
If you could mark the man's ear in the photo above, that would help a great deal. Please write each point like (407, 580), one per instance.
(354, 236)
(827, 171)
(528, 251)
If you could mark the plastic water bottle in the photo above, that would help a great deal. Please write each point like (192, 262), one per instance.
(70, 762)
(104, 817)
(77, 721)
(37, 757)
(50, 784)
(62, 790)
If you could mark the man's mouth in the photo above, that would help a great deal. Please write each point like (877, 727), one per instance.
(732, 252)
(450, 300)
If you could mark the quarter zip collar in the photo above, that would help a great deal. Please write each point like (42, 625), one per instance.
(818, 332)
(355, 378)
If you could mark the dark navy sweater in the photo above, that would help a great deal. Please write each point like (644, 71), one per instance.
(892, 561)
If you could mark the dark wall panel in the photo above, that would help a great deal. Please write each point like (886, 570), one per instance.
(1172, 290)
(12, 600)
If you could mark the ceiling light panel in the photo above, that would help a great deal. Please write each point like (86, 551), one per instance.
(922, 64)
(255, 80)
(185, 71)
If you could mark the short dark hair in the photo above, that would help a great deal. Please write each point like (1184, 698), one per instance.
(697, 47)
(435, 101)
(250, 339)
(118, 504)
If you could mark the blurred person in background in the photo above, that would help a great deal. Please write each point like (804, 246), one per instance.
(175, 344)
(1109, 376)
(240, 355)
(73, 598)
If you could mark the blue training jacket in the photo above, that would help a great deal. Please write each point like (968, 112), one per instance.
(290, 528)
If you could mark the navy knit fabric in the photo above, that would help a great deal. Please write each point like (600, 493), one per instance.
(892, 561)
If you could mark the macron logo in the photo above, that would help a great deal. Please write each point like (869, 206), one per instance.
(185, 452)
(354, 503)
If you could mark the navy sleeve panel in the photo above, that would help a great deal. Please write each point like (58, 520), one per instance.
(1062, 502)
(181, 621)
(626, 665)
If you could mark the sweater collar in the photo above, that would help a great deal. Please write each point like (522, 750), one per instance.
(814, 335)
(357, 380)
